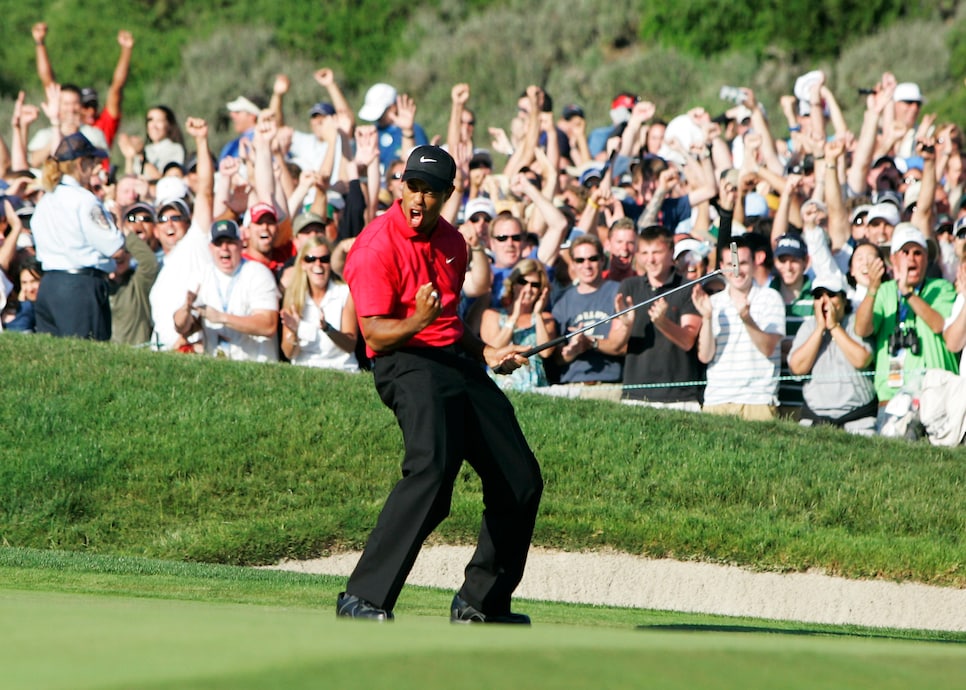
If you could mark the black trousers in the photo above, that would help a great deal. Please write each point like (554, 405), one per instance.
(72, 305)
(449, 410)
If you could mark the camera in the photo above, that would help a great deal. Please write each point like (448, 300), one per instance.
(731, 93)
(904, 339)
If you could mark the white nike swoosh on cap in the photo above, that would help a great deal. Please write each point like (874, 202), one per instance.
(450, 259)
(424, 159)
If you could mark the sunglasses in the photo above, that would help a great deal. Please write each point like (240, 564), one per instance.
(512, 238)
(910, 179)
(818, 293)
(479, 218)
(397, 176)
(581, 259)
(139, 218)
(961, 234)
(309, 259)
(173, 219)
(536, 284)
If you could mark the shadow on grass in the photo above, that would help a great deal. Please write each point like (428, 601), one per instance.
(871, 633)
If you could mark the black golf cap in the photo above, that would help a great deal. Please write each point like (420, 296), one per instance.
(432, 165)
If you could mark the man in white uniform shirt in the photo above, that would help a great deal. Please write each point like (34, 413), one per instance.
(236, 303)
(741, 328)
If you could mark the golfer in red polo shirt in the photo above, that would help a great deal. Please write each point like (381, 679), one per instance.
(405, 271)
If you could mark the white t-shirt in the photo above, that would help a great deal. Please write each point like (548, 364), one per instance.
(739, 373)
(316, 348)
(249, 289)
(308, 152)
(180, 273)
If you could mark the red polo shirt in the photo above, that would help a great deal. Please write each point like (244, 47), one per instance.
(389, 261)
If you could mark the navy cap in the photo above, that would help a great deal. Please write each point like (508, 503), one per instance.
(791, 245)
(572, 110)
(322, 108)
(75, 146)
(88, 96)
(222, 229)
(432, 165)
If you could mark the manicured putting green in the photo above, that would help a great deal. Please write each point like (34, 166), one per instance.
(55, 640)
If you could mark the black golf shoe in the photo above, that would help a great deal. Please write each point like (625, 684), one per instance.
(351, 606)
(461, 612)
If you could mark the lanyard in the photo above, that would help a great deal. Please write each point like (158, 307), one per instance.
(225, 299)
(902, 307)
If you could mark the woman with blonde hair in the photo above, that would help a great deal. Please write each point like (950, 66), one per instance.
(523, 318)
(318, 315)
(76, 241)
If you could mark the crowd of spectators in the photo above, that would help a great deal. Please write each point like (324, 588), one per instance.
(849, 246)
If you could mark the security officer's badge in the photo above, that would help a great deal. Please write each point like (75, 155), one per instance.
(98, 215)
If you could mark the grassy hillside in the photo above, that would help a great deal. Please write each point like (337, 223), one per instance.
(118, 451)
(195, 57)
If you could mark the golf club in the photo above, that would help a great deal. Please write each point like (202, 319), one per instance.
(732, 269)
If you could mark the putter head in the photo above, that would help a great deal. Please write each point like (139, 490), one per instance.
(734, 259)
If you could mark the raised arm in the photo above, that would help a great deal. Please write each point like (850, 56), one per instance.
(280, 87)
(115, 92)
(203, 212)
(459, 95)
(23, 116)
(343, 111)
(44, 69)
(839, 228)
(264, 173)
(924, 217)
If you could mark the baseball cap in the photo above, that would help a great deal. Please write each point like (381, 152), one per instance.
(242, 105)
(690, 244)
(378, 99)
(884, 160)
(906, 233)
(259, 211)
(177, 204)
(572, 110)
(139, 206)
(911, 196)
(960, 224)
(623, 100)
(322, 108)
(221, 229)
(75, 146)
(88, 96)
(862, 209)
(432, 165)
(884, 211)
(755, 205)
(592, 172)
(833, 282)
(889, 196)
(479, 204)
(790, 245)
(304, 220)
(481, 159)
(907, 91)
